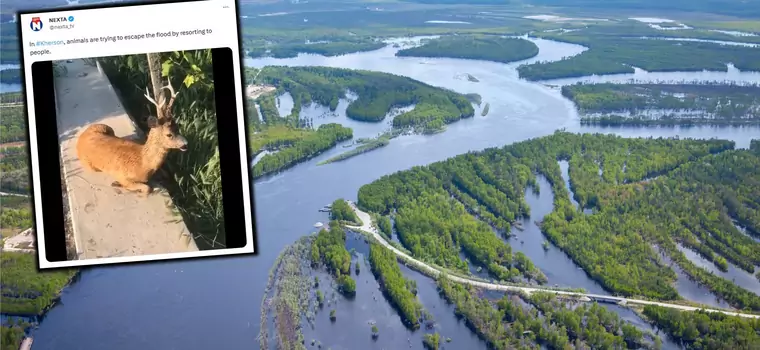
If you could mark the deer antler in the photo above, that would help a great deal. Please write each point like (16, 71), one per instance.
(147, 95)
(171, 91)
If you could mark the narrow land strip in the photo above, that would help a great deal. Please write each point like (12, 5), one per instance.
(369, 228)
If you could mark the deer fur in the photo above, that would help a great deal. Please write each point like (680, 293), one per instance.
(132, 164)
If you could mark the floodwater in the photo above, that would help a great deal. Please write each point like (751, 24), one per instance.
(214, 303)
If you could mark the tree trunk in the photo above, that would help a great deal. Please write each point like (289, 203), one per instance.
(154, 66)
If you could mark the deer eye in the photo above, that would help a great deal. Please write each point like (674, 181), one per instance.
(169, 135)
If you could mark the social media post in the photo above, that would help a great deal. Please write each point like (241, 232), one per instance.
(110, 31)
(139, 157)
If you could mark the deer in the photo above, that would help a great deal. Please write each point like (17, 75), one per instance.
(132, 164)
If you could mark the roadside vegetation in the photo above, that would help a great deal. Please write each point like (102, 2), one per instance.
(488, 48)
(541, 320)
(706, 330)
(651, 104)
(341, 212)
(193, 178)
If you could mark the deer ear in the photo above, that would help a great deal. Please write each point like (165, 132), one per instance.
(153, 122)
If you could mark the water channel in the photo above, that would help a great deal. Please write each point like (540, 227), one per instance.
(215, 303)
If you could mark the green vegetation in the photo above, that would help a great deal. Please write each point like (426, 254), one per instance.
(378, 94)
(395, 287)
(558, 326)
(12, 335)
(488, 48)
(612, 51)
(432, 218)
(195, 185)
(289, 50)
(343, 213)
(15, 173)
(330, 248)
(724, 7)
(706, 330)
(11, 97)
(754, 145)
(25, 290)
(366, 147)
(10, 76)
(310, 144)
(431, 341)
(13, 123)
(693, 206)
(486, 108)
(286, 297)
(699, 103)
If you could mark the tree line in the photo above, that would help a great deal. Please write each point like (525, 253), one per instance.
(707, 103)
(310, 145)
(13, 124)
(377, 93)
(476, 47)
(340, 211)
(613, 52)
(542, 322)
(329, 248)
(395, 286)
(700, 330)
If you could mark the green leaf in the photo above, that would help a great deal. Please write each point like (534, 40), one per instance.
(189, 80)
(166, 67)
(195, 68)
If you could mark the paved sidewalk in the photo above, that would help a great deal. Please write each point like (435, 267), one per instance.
(107, 224)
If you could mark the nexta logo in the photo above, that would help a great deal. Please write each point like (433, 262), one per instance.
(36, 24)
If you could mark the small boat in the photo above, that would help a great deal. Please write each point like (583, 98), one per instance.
(319, 224)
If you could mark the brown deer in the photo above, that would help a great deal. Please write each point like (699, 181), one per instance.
(130, 163)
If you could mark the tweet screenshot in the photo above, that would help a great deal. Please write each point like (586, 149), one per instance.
(136, 133)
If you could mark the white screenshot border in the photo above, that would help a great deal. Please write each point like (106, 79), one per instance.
(92, 32)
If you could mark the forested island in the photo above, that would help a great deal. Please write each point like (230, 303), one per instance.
(613, 50)
(291, 139)
(396, 287)
(475, 47)
(703, 330)
(653, 104)
(541, 320)
(616, 244)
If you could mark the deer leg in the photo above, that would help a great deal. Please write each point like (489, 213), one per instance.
(141, 188)
(88, 166)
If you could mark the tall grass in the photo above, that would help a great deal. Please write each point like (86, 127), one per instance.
(194, 180)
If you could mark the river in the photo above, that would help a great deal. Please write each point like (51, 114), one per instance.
(214, 303)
